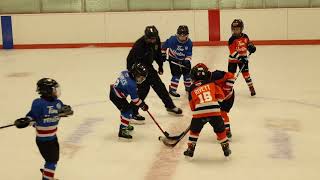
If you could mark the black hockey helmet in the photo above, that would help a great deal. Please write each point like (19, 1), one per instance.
(151, 32)
(183, 30)
(48, 87)
(139, 72)
(237, 23)
(199, 72)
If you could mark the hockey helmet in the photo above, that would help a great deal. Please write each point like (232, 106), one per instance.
(183, 30)
(48, 87)
(199, 72)
(139, 72)
(151, 32)
(237, 23)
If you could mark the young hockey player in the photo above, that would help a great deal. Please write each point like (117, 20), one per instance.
(225, 80)
(145, 50)
(179, 48)
(203, 99)
(44, 115)
(239, 44)
(125, 85)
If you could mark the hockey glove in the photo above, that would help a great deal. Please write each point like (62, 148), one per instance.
(251, 48)
(22, 122)
(243, 59)
(144, 106)
(163, 55)
(160, 70)
(65, 111)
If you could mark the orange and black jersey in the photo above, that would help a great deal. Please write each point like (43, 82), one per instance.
(225, 80)
(238, 47)
(203, 99)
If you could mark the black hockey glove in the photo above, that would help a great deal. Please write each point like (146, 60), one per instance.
(163, 55)
(144, 106)
(251, 48)
(22, 122)
(65, 111)
(243, 59)
(160, 70)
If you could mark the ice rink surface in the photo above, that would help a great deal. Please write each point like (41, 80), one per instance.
(275, 134)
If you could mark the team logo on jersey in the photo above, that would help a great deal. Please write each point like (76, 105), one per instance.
(179, 48)
(186, 48)
(240, 43)
(59, 106)
(156, 47)
(52, 110)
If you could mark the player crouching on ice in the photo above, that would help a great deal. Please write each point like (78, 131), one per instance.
(125, 85)
(178, 51)
(44, 115)
(204, 96)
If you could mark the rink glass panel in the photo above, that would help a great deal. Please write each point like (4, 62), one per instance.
(76, 6)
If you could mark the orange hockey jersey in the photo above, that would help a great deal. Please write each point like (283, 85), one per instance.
(238, 47)
(203, 99)
(225, 80)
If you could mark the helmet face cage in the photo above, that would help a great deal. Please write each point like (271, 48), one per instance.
(199, 72)
(139, 72)
(237, 26)
(183, 33)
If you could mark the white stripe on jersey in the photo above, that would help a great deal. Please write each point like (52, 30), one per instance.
(206, 104)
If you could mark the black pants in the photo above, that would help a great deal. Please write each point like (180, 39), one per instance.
(157, 85)
(121, 103)
(226, 105)
(215, 121)
(49, 150)
(232, 67)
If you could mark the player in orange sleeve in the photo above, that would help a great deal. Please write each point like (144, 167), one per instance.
(239, 44)
(225, 80)
(203, 100)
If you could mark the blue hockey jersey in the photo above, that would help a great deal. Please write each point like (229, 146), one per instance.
(126, 86)
(45, 113)
(177, 49)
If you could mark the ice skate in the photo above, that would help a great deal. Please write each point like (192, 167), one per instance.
(124, 133)
(252, 91)
(138, 119)
(174, 93)
(175, 110)
(225, 148)
(190, 151)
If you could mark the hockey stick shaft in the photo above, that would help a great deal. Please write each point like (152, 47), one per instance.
(60, 115)
(173, 62)
(6, 126)
(153, 119)
(241, 69)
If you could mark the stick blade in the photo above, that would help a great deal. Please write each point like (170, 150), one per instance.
(168, 142)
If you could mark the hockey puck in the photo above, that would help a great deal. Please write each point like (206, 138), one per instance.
(159, 138)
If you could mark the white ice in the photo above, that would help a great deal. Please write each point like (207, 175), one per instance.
(276, 133)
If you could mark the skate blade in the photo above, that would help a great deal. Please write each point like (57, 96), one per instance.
(121, 139)
(188, 158)
(137, 122)
(174, 114)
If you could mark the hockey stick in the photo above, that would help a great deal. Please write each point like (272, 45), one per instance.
(173, 62)
(6, 126)
(63, 114)
(165, 133)
(240, 70)
(173, 142)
